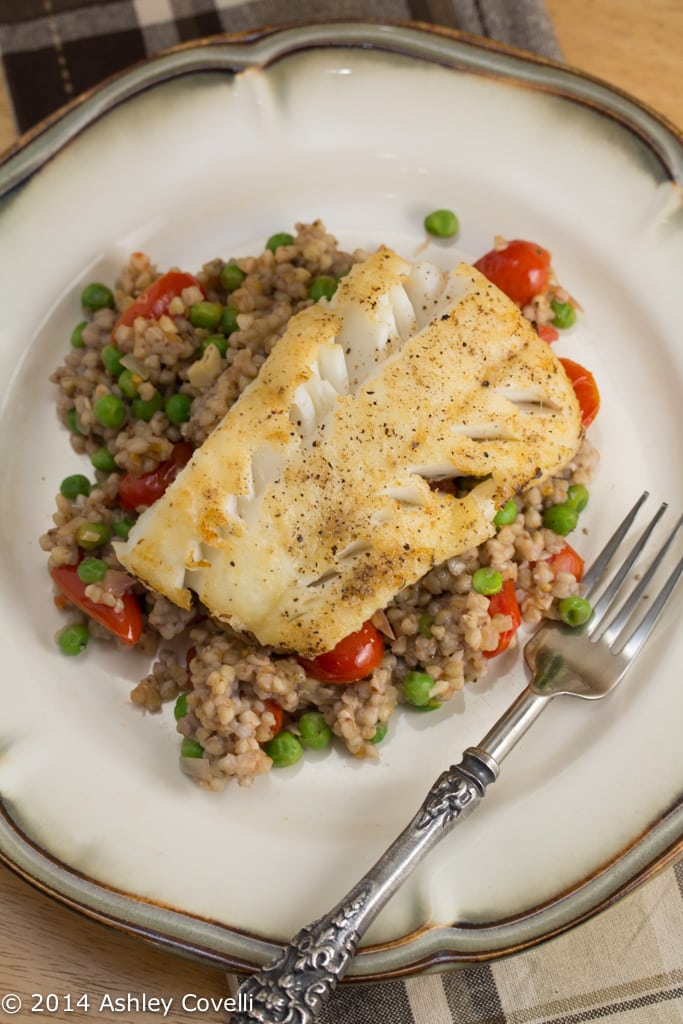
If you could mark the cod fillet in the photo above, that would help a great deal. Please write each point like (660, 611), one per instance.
(313, 502)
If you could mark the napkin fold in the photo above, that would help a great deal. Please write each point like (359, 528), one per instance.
(53, 50)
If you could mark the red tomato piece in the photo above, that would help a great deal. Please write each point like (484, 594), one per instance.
(504, 603)
(521, 270)
(353, 658)
(125, 624)
(567, 560)
(145, 489)
(277, 713)
(585, 389)
(547, 332)
(155, 300)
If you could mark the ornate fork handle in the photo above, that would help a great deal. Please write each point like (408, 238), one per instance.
(293, 989)
(294, 986)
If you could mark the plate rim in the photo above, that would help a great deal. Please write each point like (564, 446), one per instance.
(219, 945)
(233, 52)
(431, 947)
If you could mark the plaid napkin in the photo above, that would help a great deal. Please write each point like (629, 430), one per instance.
(626, 965)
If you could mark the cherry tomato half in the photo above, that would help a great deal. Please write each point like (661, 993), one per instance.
(143, 490)
(547, 332)
(585, 389)
(521, 270)
(125, 624)
(353, 658)
(567, 560)
(155, 300)
(504, 603)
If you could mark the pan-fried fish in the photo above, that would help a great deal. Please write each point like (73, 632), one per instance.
(314, 501)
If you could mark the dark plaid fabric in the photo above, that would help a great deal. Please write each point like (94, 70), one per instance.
(626, 965)
(52, 50)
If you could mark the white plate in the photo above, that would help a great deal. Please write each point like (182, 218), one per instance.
(368, 127)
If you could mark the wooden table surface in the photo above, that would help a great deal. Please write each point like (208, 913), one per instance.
(48, 949)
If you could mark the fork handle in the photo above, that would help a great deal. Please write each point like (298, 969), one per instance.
(293, 987)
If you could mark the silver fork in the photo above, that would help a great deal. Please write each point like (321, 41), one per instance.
(587, 661)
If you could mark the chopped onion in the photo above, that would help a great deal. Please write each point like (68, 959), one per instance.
(118, 583)
(133, 364)
(196, 767)
(204, 371)
(381, 622)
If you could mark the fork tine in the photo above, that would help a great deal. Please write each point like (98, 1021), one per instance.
(602, 606)
(594, 574)
(641, 633)
(615, 627)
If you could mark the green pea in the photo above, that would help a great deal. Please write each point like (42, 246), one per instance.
(206, 314)
(432, 705)
(577, 497)
(231, 276)
(561, 519)
(314, 730)
(92, 570)
(92, 535)
(180, 707)
(218, 340)
(190, 748)
(103, 460)
(323, 286)
(380, 732)
(73, 639)
(507, 514)
(77, 335)
(575, 610)
(72, 486)
(109, 411)
(144, 409)
(442, 223)
(122, 527)
(129, 382)
(279, 239)
(97, 296)
(417, 688)
(425, 623)
(487, 581)
(111, 357)
(177, 408)
(229, 321)
(73, 424)
(565, 314)
(284, 749)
